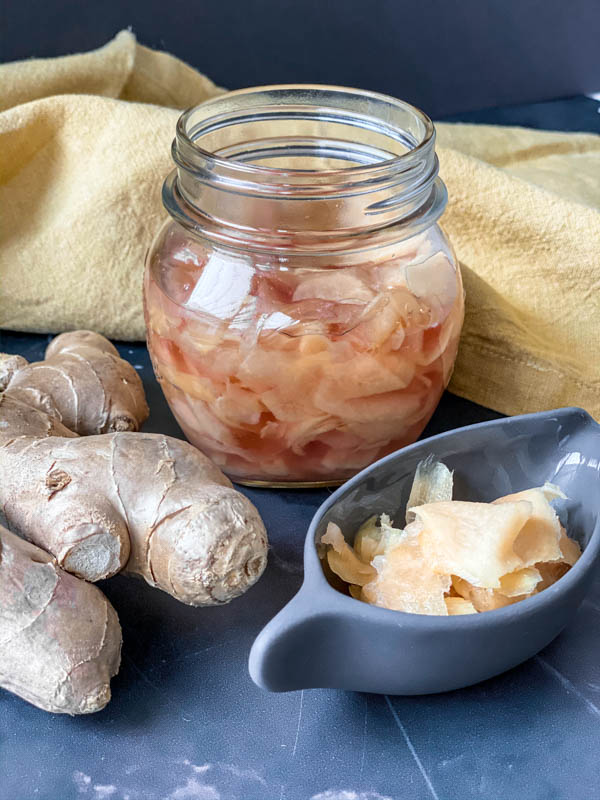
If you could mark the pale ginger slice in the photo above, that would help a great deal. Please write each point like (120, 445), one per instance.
(343, 560)
(553, 492)
(472, 540)
(550, 572)
(569, 548)
(543, 542)
(432, 484)
(539, 538)
(481, 599)
(82, 383)
(458, 605)
(405, 580)
(154, 503)
(60, 638)
(520, 582)
(338, 286)
(458, 557)
(369, 540)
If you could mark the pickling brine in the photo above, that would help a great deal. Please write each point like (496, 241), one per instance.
(302, 322)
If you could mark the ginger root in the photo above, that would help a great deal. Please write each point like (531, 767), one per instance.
(60, 638)
(83, 383)
(19, 419)
(147, 501)
(9, 364)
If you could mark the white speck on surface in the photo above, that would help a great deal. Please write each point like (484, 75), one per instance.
(246, 774)
(194, 790)
(81, 781)
(567, 684)
(410, 746)
(103, 791)
(349, 794)
(198, 768)
(232, 769)
(587, 602)
(364, 742)
(294, 568)
(138, 366)
(447, 762)
(299, 723)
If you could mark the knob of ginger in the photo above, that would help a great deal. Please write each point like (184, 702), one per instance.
(148, 503)
(60, 639)
(82, 382)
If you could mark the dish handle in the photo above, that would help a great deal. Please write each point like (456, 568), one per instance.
(299, 648)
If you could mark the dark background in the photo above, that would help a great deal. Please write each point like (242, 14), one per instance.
(446, 56)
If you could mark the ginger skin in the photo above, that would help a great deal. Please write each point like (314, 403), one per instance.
(148, 503)
(60, 638)
(82, 383)
(19, 419)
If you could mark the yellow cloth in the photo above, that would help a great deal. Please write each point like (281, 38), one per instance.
(85, 144)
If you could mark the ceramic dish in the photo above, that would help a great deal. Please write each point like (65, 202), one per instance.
(323, 638)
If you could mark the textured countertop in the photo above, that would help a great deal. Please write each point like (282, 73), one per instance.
(187, 723)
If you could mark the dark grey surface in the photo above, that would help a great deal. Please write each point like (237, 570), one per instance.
(186, 721)
(444, 57)
(410, 654)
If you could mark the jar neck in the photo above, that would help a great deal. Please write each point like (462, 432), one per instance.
(305, 165)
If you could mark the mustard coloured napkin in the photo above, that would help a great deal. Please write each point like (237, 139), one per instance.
(85, 145)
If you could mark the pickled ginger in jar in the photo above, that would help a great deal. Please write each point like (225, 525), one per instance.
(303, 306)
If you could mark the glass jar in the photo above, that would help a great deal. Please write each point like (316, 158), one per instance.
(303, 306)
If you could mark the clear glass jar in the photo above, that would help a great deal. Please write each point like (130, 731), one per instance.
(303, 306)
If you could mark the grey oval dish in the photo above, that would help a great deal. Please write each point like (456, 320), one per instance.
(324, 638)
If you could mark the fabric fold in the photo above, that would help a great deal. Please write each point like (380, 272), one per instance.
(85, 145)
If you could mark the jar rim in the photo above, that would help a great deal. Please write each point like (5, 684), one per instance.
(220, 147)
(184, 136)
